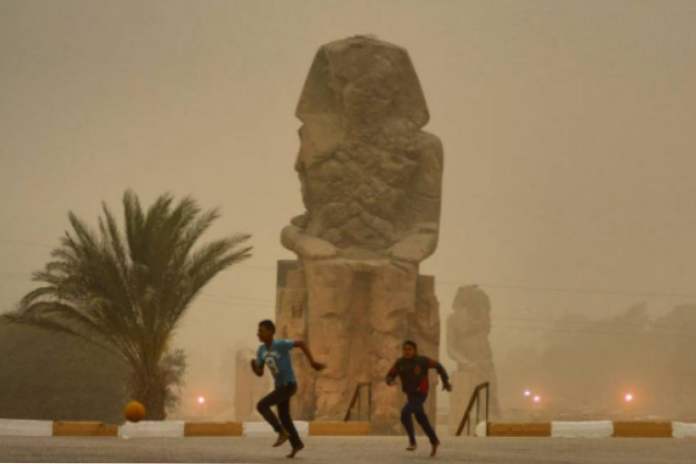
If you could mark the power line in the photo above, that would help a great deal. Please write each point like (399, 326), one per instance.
(647, 332)
(241, 302)
(500, 286)
(27, 242)
(505, 286)
(446, 282)
(592, 291)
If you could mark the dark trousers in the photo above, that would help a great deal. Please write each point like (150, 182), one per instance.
(280, 397)
(414, 406)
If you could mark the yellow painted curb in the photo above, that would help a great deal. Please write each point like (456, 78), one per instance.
(329, 428)
(213, 429)
(532, 429)
(643, 429)
(83, 429)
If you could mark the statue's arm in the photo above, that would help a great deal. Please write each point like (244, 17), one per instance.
(306, 246)
(416, 246)
(424, 204)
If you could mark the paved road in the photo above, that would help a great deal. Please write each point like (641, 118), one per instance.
(380, 450)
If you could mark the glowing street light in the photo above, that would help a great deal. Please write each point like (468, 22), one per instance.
(201, 400)
(527, 393)
(537, 399)
(628, 397)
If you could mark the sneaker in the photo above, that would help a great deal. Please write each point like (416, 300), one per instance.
(412, 447)
(282, 438)
(433, 451)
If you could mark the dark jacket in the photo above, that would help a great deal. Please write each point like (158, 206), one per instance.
(413, 374)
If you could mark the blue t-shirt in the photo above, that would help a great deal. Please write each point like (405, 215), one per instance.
(278, 361)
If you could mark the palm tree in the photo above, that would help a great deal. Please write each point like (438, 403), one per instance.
(128, 291)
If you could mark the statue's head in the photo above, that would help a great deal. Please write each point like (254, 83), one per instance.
(361, 107)
(362, 81)
(471, 299)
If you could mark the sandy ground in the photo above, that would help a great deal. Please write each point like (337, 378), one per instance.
(381, 450)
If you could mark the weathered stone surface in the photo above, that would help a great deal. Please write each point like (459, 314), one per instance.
(468, 328)
(371, 182)
(248, 388)
(291, 322)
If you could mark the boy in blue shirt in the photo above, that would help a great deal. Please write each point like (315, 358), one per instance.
(275, 354)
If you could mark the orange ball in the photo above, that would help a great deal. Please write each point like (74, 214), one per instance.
(134, 411)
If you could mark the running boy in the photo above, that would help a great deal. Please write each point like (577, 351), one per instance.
(413, 372)
(275, 354)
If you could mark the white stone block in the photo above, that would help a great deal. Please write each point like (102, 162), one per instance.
(26, 427)
(582, 429)
(147, 429)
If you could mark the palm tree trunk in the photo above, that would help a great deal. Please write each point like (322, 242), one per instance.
(154, 404)
(151, 392)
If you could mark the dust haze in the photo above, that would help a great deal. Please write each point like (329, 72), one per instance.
(568, 181)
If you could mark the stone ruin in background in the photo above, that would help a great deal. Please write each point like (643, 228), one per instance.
(468, 328)
(371, 186)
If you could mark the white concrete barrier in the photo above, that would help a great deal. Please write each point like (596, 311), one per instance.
(26, 427)
(302, 428)
(556, 429)
(263, 429)
(148, 429)
(683, 430)
(582, 429)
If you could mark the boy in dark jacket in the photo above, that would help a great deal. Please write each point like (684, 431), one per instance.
(413, 373)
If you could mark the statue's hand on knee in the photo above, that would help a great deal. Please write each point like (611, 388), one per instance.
(415, 247)
(306, 246)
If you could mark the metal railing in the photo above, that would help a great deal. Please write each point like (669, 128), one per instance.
(475, 400)
(357, 398)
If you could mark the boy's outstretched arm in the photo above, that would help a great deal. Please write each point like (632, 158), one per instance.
(446, 385)
(305, 349)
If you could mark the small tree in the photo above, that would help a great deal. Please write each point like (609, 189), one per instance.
(128, 291)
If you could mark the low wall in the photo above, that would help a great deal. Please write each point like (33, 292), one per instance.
(589, 429)
(145, 429)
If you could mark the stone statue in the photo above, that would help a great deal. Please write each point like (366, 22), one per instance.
(468, 328)
(371, 186)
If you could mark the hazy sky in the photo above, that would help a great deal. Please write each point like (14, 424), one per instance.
(568, 129)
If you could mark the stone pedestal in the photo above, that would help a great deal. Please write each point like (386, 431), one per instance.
(355, 316)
